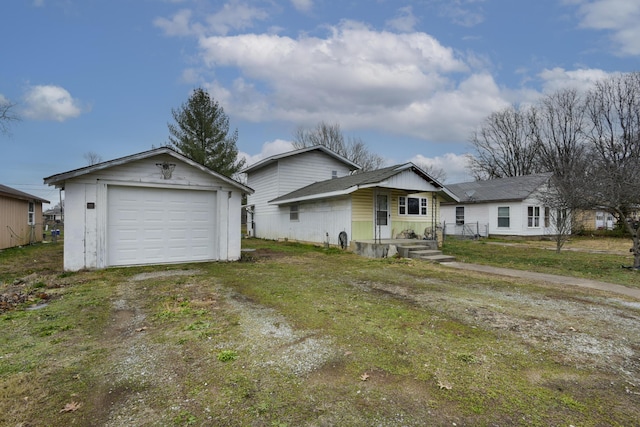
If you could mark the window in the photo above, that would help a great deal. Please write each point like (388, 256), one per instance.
(459, 215)
(32, 213)
(547, 217)
(294, 213)
(412, 205)
(334, 174)
(503, 217)
(533, 216)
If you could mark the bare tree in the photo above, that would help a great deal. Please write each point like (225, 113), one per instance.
(504, 145)
(434, 172)
(558, 123)
(331, 136)
(92, 158)
(7, 115)
(613, 107)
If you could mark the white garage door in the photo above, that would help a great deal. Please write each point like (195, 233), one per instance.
(157, 225)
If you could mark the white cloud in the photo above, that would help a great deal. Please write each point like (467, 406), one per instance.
(50, 102)
(580, 79)
(466, 13)
(404, 83)
(268, 149)
(302, 5)
(234, 16)
(405, 21)
(619, 17)
(454, 165)
(178, 25)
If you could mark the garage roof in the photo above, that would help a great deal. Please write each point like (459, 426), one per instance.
(59, 179)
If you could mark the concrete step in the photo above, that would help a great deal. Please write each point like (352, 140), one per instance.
(406, 249)
(438, 258)
(418, 253)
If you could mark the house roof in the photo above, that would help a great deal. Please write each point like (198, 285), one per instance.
(348, 184)
(17, 194)
(59, 179)
(515, 188)
(269, 160)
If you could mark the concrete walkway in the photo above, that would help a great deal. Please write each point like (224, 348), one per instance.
(550, 278)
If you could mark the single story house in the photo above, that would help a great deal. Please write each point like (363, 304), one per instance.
(20, 218)
(153, 207)
(502, 207)
(314, 195)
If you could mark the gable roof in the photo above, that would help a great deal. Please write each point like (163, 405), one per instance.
(17, 194)
(273, 159)
(59, 179)
(515, 188)
(348, 184)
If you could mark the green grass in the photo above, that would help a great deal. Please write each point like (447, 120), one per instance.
(424, 363)
(602, 267)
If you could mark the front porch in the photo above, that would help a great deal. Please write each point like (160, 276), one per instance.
(405, 248)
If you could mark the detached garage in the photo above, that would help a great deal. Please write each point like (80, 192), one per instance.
(154, 207)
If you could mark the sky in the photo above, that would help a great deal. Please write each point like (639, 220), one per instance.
(411, 78)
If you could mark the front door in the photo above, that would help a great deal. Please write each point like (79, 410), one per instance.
(382, 216)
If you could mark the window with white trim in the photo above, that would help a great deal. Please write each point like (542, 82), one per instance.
(533, 216)
(32, 213)
(412, 206)
(503, 217)
(294, 213)
(459, 215)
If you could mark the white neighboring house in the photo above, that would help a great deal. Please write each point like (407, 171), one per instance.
(153, 207)
(500, 207)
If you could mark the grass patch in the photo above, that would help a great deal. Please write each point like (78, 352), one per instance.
(595, 266)
(408, 343)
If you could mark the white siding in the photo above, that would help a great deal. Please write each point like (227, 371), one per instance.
(487, 213)
(283, 177)
(317, 221)
(409, 181)
(86, 243)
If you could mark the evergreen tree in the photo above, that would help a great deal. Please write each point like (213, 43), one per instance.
(201, 132)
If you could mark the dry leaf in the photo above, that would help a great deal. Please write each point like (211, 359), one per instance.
(71, 407)
(144, 328)
(364, 376)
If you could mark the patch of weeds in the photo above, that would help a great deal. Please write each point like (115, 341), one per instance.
(185, 418)
(227, 355)
(467, 358)
(571, 403)
(198, 325)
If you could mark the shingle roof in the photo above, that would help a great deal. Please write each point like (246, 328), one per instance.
(17, 194)
(347, 184)
(499, 189)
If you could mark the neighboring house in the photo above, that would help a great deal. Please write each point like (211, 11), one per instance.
(153, 207)
(594, 219)
(313, 195)
(504, 206)
(20, 218)
(53, 215)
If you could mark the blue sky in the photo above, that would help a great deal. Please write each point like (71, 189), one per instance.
(412, 79)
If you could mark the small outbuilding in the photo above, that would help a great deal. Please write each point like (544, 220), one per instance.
(154, 207)
(20, 218)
